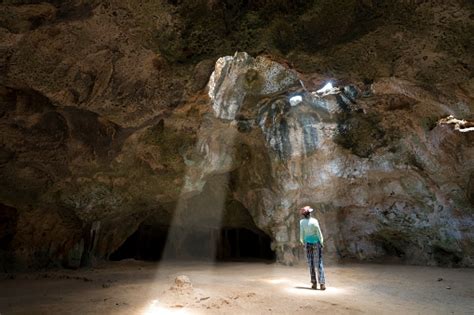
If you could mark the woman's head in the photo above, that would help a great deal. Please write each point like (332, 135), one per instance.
(306, 211)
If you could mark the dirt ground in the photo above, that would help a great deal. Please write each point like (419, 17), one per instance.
(132, 287)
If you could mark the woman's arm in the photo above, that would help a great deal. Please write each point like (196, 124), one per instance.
(319, 233)
(301, 233)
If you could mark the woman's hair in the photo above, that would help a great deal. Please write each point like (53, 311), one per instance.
(306, 211)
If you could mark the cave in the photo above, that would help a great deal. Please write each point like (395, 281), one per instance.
(146, 243)
(244, 242)
(209, 226)
(237, 244)
(163, 156)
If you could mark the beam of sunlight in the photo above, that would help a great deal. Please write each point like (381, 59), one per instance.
(183, 223)
(192, 236)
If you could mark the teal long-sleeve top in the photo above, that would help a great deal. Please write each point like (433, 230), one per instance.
(310, 232)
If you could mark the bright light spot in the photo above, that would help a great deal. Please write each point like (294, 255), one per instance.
(328, 87)
(155, 309)
(295, 100)
(276, 281)
(325, 88)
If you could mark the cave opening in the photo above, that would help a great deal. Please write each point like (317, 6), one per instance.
(226, 244)
(146, 243)
(235, 238)
(237, 244)
(210, 226)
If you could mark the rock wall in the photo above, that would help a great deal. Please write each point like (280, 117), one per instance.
(115, 112)
(382, 180)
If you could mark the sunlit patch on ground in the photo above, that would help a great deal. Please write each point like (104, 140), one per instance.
(276, 281)
(237, 288)
(300, 288)
(154, 308)
(303, 289)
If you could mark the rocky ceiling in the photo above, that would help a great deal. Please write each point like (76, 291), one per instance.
(110, 116)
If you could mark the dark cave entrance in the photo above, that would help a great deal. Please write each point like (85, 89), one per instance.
(227, 244)
(146, 243)
(235, 244)
(210, 226)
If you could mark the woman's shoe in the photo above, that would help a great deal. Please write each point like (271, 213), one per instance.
(323, 287)
(314, 286)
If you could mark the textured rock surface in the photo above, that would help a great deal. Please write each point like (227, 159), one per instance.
(384, 182)
(260, 77)
(106, 121)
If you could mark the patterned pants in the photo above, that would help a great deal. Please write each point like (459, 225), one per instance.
(311, 251)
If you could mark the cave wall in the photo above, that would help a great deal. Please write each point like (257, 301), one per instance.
(107, 119)
(383, 181)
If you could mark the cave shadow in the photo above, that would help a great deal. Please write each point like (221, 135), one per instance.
(148, 243)
(305, 288)
(244, 245)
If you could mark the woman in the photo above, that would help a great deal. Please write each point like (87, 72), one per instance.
(312, 239)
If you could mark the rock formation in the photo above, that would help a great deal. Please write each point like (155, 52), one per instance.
(378, 176)
(117, 114)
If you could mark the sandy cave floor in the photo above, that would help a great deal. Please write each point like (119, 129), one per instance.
(133, 287)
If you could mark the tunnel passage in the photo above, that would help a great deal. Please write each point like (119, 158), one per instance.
(146, 243)
(211, 226)
(226, 244)
(234, 238)
(243, 244)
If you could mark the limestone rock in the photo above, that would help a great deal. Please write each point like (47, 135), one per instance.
(348, 157)
(106, 125)
(182, 282)
(236, 77)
